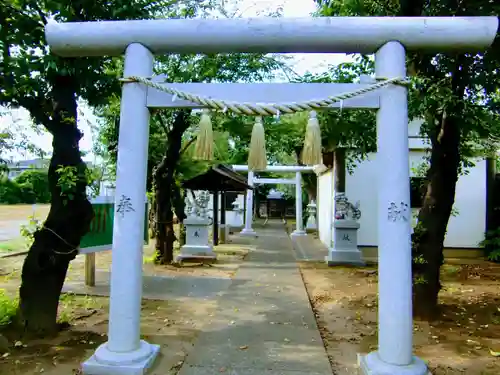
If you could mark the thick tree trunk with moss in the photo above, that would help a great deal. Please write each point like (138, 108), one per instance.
(164, 182)
(56, 244)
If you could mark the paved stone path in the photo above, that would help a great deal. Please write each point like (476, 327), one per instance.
(156, 287)
(264, 324)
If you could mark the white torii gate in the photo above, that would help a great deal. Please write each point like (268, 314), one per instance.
(387, 37)
(297, 181)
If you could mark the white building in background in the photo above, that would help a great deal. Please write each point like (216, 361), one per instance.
(466, 226)
(15, 168)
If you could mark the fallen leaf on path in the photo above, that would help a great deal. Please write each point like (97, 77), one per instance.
(494, 354)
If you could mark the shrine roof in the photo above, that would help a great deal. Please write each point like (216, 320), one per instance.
(218, 178)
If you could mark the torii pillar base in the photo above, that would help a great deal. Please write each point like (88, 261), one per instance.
(298, 233)
(105, 362)
(371, 364)
(248, 232)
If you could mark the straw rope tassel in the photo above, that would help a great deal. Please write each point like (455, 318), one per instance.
(311, 153)
(257, 159)
(204, 148)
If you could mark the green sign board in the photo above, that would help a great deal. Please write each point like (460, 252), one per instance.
(100, 236)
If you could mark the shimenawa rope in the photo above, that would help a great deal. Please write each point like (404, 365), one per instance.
(264, 109)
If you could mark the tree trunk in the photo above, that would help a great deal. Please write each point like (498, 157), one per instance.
(56, 244)
(179, 206)
(163, 217)
(164, 177)
(428, 237)
(181, 215)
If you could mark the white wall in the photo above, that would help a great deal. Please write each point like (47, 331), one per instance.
(465, 230)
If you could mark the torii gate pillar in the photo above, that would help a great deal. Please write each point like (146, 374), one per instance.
(299, 225)
(248, 230)
(395, 316)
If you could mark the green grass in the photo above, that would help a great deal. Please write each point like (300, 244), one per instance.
(8, 307)
(17, 244)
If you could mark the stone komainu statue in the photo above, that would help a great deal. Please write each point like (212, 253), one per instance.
(345, 210)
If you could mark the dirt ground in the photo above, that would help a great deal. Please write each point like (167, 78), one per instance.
(22, 212)
(466, 340)
(228, 258)
(11, 218)
(173, 324)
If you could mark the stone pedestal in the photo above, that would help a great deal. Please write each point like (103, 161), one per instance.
(345, 244)
(197, 242)
(311, 223)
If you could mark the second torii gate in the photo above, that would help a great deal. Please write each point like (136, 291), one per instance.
(252, 180)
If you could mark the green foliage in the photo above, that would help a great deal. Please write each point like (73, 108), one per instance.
(12, 192)
(29, 69)
(28, 231)
(67, 180)
(420, 170)
(467, 83)
(193, 68)
(5, 146)
(39, 181)
(491, 244)
(94, 176)
(8, 308)
(353, 129)
(70, 176)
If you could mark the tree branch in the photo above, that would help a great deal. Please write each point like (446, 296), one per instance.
(40, 12)
(162, 122)
(186, 146)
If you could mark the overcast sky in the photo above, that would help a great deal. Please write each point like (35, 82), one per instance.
(248, 8)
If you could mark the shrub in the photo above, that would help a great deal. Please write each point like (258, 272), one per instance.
(8, 308)
(31, 186)
(491, 244)
(38, 179)
(28, 231)
(10, 191)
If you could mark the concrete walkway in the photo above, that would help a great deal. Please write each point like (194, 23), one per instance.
(264, 324)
